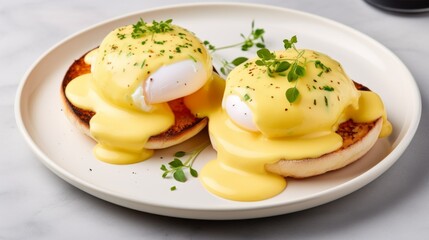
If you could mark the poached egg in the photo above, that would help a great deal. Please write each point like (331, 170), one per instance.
(132, 80)
(256, 125)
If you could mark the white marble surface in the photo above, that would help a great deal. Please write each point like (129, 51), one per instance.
(36, 204)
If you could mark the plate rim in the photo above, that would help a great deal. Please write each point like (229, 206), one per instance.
(354, 183)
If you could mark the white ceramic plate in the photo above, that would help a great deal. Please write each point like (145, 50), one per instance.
(139, 186)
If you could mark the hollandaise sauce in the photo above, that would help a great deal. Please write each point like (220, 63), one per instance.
(302, 129)
(123, 63)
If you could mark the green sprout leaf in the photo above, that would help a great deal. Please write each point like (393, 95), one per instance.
(300, 71)
(292, 94)
(180, 154)
(265, 54)
(193, 172)
(260, 45)
(163, 167)
(290, 43)
(283, 66)
(292, 76)
(224, 71)
(179, 175)
(176, 163)
(260, 63)
(239, 60)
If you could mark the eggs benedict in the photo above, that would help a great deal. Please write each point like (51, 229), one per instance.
(289, 113)
(128, 94)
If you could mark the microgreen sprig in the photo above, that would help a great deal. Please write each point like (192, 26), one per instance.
(278, 66)
(254, 38)
(141, 27)
(176, 167)
(269, 60)
(228, 66)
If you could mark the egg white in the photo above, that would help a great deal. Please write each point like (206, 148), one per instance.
(239, 112)
(170, 82)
